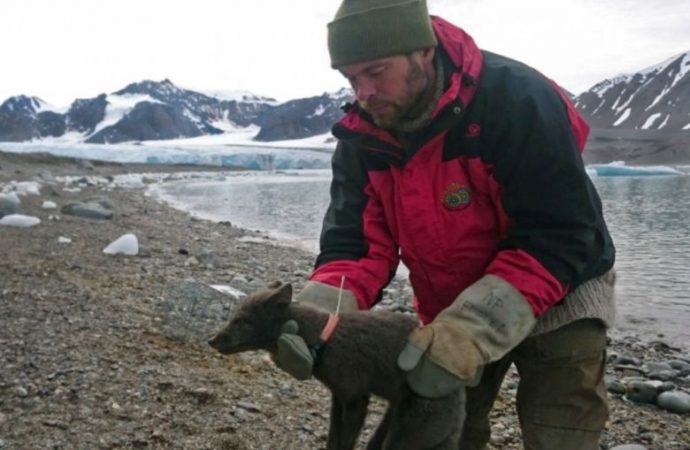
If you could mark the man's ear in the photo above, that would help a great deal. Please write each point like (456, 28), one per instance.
(428, 54)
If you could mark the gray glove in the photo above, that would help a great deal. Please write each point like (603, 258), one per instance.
(485, 322)
(293, 355)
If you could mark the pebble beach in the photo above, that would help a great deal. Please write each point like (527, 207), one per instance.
(107, 351)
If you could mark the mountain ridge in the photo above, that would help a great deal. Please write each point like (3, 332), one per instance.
(628, 106)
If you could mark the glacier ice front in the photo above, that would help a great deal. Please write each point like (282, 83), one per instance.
(619, 169)
(249, 157)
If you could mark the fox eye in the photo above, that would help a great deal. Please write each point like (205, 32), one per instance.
(241, 321)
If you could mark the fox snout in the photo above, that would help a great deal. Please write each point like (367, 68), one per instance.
(235, 338)
(215, 342)
(225, 343)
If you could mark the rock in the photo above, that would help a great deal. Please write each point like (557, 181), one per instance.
(126, 244)
(209, 259)
(648, 437)
(3, 443)
(84, 164)
(641, 392)
(666, 386)
(674, 401)
(193, 311)
(88, 210)
(19, 221)
(229, 290)
(628, 371)
(629, 447)
(191, 262)
(626, 360)
(677, 364)
(21, 391)
(3, 419)
(45, 175)
(616, 387)
(248, 406)
(663, 375)
(9, 204)
(656, 367)
(49, 205)
(202, 395)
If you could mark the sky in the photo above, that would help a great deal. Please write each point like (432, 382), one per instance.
(60, 50)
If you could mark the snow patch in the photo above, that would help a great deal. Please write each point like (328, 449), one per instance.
(120, 105)
(317, 112)
(663, 124)
(650, 121)
(622, 118)
(238, 96)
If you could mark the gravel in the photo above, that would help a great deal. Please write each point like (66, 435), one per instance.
(89, 360)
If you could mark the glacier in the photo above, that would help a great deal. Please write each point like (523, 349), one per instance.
(620, 169)
(229, 151)
(249, 157)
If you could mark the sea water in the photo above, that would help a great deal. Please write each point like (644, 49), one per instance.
(648, 217)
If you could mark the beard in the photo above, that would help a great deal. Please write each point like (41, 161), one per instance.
(387, 112)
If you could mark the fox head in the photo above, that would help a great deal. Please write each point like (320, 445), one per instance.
(257, 323)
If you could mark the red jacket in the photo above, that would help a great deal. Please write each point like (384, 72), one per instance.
(494, 185)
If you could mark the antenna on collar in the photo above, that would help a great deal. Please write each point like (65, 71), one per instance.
(340, 294)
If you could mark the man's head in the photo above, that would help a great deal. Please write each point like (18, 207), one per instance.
(395, 88)
(385, 49)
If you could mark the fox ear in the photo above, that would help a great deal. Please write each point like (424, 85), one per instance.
(284, 293)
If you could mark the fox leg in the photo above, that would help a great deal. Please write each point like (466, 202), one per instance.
(347, 419)
(376, 441)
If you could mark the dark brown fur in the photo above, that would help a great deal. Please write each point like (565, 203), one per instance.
(358, 360)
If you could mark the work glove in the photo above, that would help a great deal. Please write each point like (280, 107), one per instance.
(292, 354)
(485, 322)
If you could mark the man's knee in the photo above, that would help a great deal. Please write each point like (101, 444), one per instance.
(562, 395)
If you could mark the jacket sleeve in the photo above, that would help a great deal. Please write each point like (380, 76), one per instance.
(556, 237)
(355, 240)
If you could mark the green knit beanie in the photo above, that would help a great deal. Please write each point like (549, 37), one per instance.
(365, 30)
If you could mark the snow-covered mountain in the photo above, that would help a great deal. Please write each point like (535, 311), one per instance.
(653, 99)
(151, 110)
(656, 98)
(303, 117)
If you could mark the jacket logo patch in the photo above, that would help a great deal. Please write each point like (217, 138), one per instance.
(456, 196)
(473, 130)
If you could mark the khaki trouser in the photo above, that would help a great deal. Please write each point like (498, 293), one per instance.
(561, 398)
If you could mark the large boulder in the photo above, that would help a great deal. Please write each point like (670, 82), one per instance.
(191, 311)
(101, 209)
(9, 204)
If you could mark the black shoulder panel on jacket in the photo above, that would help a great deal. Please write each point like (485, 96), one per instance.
(527, 139)
(342, 234)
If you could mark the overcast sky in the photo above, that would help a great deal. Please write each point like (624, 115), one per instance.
(60, 50)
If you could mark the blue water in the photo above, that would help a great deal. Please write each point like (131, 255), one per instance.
(649, 218)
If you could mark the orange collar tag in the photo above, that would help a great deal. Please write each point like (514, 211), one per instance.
(329, 328)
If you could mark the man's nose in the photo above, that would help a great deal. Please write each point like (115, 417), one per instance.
(365, 90)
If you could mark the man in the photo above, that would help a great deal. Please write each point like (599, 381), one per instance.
(466, 166)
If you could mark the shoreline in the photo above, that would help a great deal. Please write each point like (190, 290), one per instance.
(89, 365)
